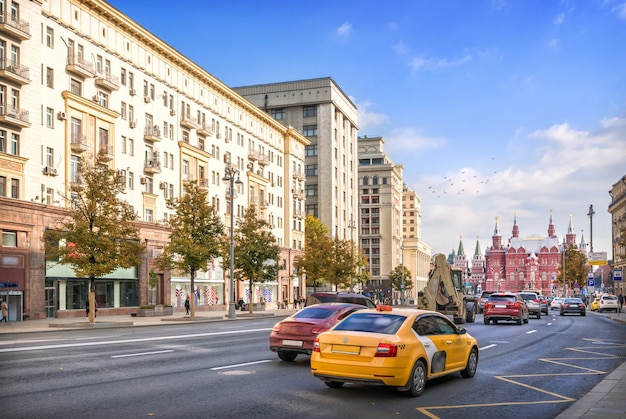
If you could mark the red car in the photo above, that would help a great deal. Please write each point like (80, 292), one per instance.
(505, 306)
(295, 334)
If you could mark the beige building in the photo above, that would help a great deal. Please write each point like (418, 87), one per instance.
(324, 114)
(80, 78)
(617, 209)
(416, 252)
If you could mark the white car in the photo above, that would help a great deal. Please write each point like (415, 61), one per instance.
(556, 304)
(608, 302)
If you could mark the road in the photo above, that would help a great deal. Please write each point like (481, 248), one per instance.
(225, 370)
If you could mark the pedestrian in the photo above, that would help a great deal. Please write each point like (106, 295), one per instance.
(620, 300)
(241, 304)
(5, 312)
(187, 304)
(87, 309)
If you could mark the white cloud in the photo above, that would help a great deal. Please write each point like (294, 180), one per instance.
(620, 9)
(344, 30)
(433, 64)
(407, 140)
(401, 48)
(367, 118)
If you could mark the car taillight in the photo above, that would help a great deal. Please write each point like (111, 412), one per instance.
(386, 350)
(316, 345)
(276, 328)
(318, 329)
(516, 304)
(486, 305)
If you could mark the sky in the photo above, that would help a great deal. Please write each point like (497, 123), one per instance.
(496, 108)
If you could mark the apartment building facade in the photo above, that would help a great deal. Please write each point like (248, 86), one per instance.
(324, 114)
(81, 78)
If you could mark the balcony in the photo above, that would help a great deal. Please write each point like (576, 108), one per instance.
(189, 121)
(258, 202)
(299, 175)
(79, 66)
(15, 72)
(204, 129)
(152, 166)
(14, 26)
(298, 193)
(107, 81)
(14, 116)
(263, 159)
(106, 151)
(299, 214)
(152, 133)
(79, 143)
(203, 183)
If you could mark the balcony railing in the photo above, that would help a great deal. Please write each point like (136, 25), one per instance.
(78, 65)
(79, 143)
(14, 116)
(16, 72)
(14, 26)
(189, 121)
(152, 166)
(106, 150)
(205, 129)
(107, 81)
(152, 133)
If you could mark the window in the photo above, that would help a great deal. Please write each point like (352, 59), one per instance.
(49, 37)
(14, 146)
(9, 239)
(310, 190)
(3, 186)
(74, 168)
(309, 130)
(131, 147)
(131, 180)
(149, 215)
(3, 141)
(49, 157)
(309, 110)
(123, 76)
(310, 170)
(123, 145)
(49, 118)
(76, 87)
(15, 188)
(123, 111)
(278, 113)
(310, 150)
(49, 77)
(103, 136)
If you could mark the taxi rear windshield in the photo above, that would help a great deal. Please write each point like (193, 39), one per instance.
(372, 323)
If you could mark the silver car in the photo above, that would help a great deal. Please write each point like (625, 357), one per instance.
(533, 303)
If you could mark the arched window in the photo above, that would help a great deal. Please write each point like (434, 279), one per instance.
(366, 180)
(374, 180)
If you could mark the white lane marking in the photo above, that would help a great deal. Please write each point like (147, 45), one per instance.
(142, 354)
(240, 365)
(493, 345)
(530, 331)
(115, 342)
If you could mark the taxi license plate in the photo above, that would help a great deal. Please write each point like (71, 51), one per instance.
(292, 342)
(346, 349)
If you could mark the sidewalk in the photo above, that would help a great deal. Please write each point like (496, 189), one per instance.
(606, 400)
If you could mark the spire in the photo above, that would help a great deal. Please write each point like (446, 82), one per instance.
(570, 228)
(551, 229)
(583, 245)
(461, 251)
(477, 251)
(496, 230)
(515, 227)
(570, 237)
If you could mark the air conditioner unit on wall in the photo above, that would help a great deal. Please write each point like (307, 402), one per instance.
(162, 185)
(172, 112)
(133, 92)
(133, 124)
(146, 99)
(61, 116)
(50, 171)
(142, 180)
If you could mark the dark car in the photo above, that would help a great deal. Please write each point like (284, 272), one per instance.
(505, 306)
(481, 300)
(295, 334)
(573, 305)
(339, 297)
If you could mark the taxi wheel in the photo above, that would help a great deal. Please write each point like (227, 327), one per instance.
(287, 355)
(417, 382)
(334, 384)
(472, 364)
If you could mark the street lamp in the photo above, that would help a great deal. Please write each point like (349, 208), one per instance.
(229, 178)
(402, 280)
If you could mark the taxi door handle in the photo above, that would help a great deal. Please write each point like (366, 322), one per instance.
(449, 342)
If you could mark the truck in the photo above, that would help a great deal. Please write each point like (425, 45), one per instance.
(445, 293)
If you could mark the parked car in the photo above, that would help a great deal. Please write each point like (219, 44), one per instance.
(556, 303)
(532, 301)
(295, 334)
(608, 302)
(400, 348)
(595, 304)
(339, 297)
(505, 306)
(543, 302)
(573, 305)
(481, 300)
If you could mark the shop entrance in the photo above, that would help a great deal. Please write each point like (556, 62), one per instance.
(51, 299)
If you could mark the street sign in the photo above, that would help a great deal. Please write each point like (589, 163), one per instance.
(8, 285)
(617, 274)
(597, 258)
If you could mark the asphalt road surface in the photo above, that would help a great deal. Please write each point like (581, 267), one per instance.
(225, 370)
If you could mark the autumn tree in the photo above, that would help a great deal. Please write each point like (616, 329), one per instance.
(256, 251)
(361, 263)
(576, 268)
(196, 233)
(99, 236)
(398, 275)
(341, 264)
(315, 258)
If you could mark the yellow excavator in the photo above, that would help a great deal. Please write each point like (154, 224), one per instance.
(445, 293)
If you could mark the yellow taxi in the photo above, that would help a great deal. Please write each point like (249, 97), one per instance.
(401, 348)
(594, 304)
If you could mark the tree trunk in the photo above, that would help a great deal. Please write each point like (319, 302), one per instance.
(251, 298)
(92, 300)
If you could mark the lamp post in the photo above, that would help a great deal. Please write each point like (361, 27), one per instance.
(402, 279)
(591, 213)
(229, 178)
(351, 226)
